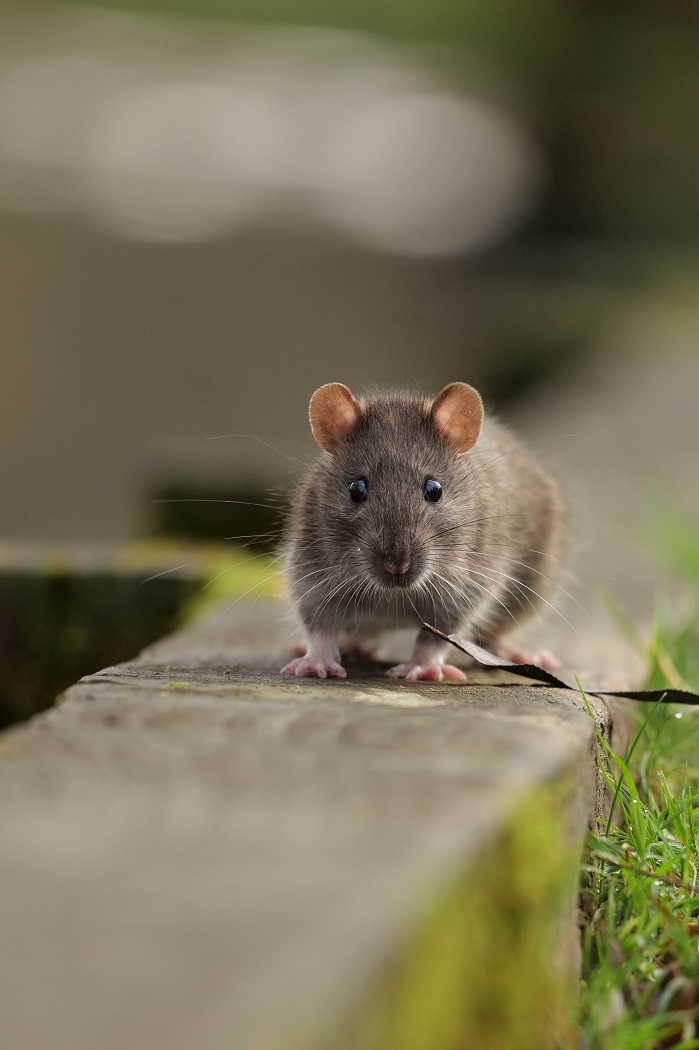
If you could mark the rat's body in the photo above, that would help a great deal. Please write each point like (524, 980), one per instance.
(415, 511)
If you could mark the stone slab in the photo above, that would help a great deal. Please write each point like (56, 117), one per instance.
(197, 851)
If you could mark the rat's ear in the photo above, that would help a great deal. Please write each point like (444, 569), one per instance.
(457, 413)
(334, 413)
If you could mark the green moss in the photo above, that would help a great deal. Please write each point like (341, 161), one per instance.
(478, 970)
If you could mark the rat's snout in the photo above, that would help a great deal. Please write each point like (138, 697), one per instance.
(397, 560)
(396, 566)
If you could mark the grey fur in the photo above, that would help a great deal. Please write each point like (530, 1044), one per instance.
(480, 557)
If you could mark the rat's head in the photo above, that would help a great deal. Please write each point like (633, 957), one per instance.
(391, 497)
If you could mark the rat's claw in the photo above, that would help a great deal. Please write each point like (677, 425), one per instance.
(304, 668)
(399, 671)
(433, 672)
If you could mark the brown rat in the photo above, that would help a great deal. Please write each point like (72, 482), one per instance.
(417, 509)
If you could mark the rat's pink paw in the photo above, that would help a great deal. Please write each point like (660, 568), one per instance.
(305, 668)
(427, 672)
(541, 658)
(453, 673)
(544, 658)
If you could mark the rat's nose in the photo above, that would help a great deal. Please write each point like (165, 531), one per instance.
(397, 567)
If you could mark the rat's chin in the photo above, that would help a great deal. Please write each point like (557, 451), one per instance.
(400, 581)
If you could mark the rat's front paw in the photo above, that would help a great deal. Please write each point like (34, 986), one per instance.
(432, 672)
(305, 667)
(546, 659)
(541, 658)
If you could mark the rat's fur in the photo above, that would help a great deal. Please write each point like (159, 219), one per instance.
(479, 558)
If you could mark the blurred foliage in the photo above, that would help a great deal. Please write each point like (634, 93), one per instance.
(672, 647)
(674, 535)
(500, 26)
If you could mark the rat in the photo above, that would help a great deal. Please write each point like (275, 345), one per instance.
(418, 509)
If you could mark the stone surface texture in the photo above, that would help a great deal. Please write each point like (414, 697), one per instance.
(197, 851)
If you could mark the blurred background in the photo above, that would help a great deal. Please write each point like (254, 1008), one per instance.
(208, 209)
(203, 218)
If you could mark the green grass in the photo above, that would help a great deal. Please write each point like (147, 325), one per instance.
(641, 876)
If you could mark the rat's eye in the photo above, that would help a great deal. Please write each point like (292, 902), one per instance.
(358, 490)
(432, 491)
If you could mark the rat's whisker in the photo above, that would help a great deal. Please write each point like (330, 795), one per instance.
(260, 583)
(462, 594)
(539, 596)
(252, 536)
(371, 599)
(361, 596)
(434, 591)
(477, 521)
(164, 572)
(260, 441)
(331, 574)
(239, 565)
(342, 586)
(554, 582)
(346, 600)
(483, 468)
(477, 472)
(514, 561)
(517, 594)
(203, 499)
(548, 554)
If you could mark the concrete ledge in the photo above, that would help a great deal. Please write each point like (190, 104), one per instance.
(197, 851)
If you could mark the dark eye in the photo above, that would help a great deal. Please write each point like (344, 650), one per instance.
(358, 490)
(432, 491)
